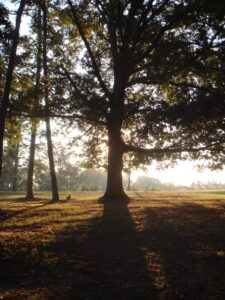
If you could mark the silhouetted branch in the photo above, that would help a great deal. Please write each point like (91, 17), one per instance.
(171, 150)
(91, 55)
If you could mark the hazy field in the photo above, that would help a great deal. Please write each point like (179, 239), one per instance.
(162, 245)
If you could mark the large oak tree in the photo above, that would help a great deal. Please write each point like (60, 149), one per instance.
(144, 63)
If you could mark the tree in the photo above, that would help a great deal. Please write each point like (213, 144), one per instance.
(55, 195)
(67, 173)
(145, 183)
(92, 178)
(8, 79)
(11, 154)
(6, 34)
(42, 176)
(141, 57)
(37, 96)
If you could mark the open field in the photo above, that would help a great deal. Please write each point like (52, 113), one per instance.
(162, 245)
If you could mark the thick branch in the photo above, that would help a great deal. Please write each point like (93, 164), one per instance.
(67, 74)
(91, 55)
(170, 150)
(40, 115)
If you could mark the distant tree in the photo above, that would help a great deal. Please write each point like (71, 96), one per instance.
(11, 154)
(42, 180)
(67, 172)
(145, 183)
(92, 177)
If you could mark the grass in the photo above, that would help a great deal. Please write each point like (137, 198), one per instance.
(162, 245)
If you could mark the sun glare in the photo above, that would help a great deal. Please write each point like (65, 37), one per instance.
(184, 174)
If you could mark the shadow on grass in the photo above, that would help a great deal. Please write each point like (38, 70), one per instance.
(177, 253)
(189, 250)
(41, 202)
(138, 194)
(107, 263)
(99, 259)
(6, 215)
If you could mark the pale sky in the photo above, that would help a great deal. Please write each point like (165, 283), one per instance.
(184, 173)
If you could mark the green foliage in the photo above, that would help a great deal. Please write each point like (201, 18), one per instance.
(145, 183)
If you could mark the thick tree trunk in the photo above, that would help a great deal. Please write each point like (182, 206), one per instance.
(115, 165)
(8, 82)
(114, 188)
(30, 171)
(55, 194)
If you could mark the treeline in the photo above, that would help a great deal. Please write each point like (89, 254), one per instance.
(74, 175)
(72, 178)
(69, 178)
(210, 185)
(146, 183)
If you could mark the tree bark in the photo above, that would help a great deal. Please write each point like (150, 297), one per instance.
(16, 162)
(9, 78)
(114, 188)
(55, 194)
(30, 171)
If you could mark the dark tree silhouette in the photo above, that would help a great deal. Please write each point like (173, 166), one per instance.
(55, 195)
(9, 78)
(30, 170)
(143, 59)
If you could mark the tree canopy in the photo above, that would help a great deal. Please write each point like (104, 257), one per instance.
(143, 77)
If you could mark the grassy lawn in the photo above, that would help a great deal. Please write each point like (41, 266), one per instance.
(162, 245)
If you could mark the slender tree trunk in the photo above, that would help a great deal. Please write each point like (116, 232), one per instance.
(30, 172)
(9, 77)
(129, 181)
(55, 195)
(16, 162)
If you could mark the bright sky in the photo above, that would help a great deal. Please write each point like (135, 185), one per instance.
(184, 173)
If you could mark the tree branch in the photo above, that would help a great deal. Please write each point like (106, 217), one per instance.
(170, 150)
(40, 115)
(91, 55)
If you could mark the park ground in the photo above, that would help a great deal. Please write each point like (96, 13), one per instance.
(161, 245)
